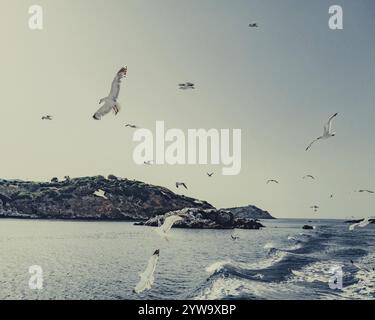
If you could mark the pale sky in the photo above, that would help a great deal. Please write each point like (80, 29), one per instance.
(278, 83)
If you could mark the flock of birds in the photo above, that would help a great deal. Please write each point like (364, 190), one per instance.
(110, 103)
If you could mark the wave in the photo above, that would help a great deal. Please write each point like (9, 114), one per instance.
(302, 270)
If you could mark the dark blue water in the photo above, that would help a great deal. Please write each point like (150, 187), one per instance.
(101, 260)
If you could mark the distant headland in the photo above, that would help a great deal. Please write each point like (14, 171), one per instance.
(78, 198)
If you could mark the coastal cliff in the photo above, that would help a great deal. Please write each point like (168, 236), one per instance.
(128, 200)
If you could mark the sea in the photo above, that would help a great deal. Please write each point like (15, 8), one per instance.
(102, 260)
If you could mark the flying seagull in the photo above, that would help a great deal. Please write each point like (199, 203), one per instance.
(181, 184)
(363, 223)
(253, 25)
(147, 277)
(210, 174)
(363, 191)
(110, 102)
(167, 225)
(309, 176)
(147, 163)
(133, 126)
(47, 117)
(186, 85)
(100, 193)
(327, 132)
(315, 208)
(234, 238)
(272, 180)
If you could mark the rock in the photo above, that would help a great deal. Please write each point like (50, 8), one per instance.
(197, 218)
(250, 212)
(73, 198)
(307, 227)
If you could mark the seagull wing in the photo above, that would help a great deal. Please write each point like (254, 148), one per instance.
(103, 110)
(147, 277)
(115, 88)
(328, 126)
(169, 222)
(310, 145)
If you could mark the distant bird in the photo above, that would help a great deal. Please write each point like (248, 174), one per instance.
(167, 225)
(147, 277)
(181, 184)
(148, 163)
(365, 191)
(210, 174)
(133, 126)
(110, 102)
(186, 85)
(47, 117)
(272, 180)
(327, 132)
(315, 208)
(363, 223)
(234, 238)
(100, 193)
(253, 25)
(309, 176)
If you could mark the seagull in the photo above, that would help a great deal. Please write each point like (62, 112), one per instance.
(272, 180)
(186, 85)
(47, 117)
(147, 277)
(327, 133)
(315, 208)
(309, 176)
(234, 238)
(363, 223)
(253, 25)
(181, 184)
(163, 229)
(133, 126)
(100, 193)
(110, 102)
(210, 174)
(147, 163)
(363, 191)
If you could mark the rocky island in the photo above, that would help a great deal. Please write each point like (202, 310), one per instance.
(127, 200)
(194, 218)
(124, 200)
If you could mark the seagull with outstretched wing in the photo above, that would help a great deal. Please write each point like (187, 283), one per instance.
(181, 184)
(309, 176)
(273, 181)
(163, 229)
(110, 102)
(365, 191)
(129, 125)
(363, 223)
(100, 193)
(147, 277)
(327, 132)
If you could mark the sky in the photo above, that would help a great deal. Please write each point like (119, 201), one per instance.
(278, 83)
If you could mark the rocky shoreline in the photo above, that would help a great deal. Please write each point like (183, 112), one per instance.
(193, 218)
(126, 200)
